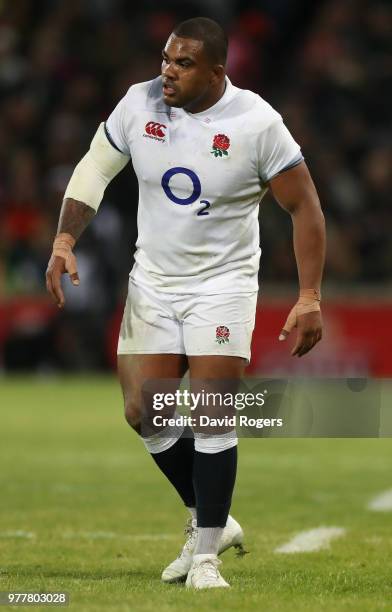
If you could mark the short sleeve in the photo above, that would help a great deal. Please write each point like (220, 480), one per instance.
(277, 151)
(115, 128)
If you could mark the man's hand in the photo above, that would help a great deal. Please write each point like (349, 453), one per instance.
(306, 317)
(62, 260)
(309, 332)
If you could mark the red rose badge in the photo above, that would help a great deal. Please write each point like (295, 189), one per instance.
(220, 145)
(222, 334)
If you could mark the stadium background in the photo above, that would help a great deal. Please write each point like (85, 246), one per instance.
(324, 65)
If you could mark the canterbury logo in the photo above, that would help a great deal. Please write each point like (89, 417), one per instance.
(155, 129)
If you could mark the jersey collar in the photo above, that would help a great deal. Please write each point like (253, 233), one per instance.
(210, 113)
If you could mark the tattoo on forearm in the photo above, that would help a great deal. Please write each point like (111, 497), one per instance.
(74, 217)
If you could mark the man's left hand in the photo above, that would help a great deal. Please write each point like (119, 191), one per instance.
(309, 332)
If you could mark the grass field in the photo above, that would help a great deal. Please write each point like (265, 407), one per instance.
(83, 509)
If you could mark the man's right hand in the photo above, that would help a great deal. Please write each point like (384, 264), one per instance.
(62, 260)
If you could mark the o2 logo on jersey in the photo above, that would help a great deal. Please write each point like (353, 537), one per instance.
(195, 195)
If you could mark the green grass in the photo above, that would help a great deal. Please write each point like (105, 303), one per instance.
(71, 468)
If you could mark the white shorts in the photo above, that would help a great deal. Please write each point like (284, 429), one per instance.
(158, 322)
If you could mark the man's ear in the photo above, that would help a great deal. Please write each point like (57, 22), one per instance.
(217, 72)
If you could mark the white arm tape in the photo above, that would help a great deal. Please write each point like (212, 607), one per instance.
(95, 171)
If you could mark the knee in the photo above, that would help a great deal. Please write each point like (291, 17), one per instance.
(132, 414)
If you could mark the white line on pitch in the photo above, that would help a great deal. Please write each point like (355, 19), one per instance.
(28, 535)
(382, 502)
(311, 540)
(111, 535)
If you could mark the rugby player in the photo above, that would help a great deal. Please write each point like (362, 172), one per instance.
(205, 152)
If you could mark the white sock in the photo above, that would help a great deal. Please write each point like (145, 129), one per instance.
(208, 539)
(163, 439)
(192, 512)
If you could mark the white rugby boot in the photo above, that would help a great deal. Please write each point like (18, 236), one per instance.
(204, 573)
(177, 570)
(232, 535)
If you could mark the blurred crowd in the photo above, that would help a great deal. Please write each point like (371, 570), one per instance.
(64, 64)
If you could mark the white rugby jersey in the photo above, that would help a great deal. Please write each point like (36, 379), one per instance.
(201, 178)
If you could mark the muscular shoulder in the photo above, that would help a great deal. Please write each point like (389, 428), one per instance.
(257, 114)
(139, 98)
(145, 96)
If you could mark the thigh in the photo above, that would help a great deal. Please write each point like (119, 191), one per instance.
(215, 379)
(221, 326)
(216, 367)
(219, 375)
(141, 378)
(135, 370)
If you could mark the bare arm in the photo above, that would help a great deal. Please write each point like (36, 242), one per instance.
(295, 192)
(74, 218)
(82, 198)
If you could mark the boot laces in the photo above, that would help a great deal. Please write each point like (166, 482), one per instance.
(191, 532)
(210, 568)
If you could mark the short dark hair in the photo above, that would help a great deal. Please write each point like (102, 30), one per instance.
(210, 33)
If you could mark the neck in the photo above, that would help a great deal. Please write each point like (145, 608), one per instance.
(204, 103)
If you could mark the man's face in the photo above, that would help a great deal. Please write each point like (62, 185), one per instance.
(187, 74)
